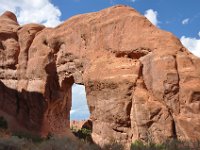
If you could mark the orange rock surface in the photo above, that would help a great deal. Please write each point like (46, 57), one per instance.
(141, 82)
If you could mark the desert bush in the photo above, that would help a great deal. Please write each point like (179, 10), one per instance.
(65, 143)
(28, 136)
(168, 145)
(27, 142)
(15, 143)
(113, 146)
(56, 143)
(181, 145)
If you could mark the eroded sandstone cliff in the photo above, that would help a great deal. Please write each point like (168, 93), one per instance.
(141, 83)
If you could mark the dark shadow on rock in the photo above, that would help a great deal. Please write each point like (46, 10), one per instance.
(22, 110)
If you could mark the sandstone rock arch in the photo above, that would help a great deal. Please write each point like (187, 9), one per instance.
(141, 82)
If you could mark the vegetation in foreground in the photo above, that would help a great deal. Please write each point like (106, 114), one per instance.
(27, 142)
(168, 145)
(14, 142)
(21, 141)
(83, 134)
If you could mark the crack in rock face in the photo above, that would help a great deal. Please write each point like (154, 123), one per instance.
(141, 83)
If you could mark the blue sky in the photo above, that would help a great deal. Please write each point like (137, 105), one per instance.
(171, 13)
(79, 103)
(181, 17)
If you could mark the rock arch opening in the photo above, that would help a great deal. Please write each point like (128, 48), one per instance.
(79, 109)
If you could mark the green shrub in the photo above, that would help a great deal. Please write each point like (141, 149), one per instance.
(3, 123)
(83, 134)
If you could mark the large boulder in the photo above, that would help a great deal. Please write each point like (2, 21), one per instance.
(141, 82)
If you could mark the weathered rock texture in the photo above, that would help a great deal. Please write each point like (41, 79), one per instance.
(141, 83)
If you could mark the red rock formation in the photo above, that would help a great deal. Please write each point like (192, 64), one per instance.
(141, 83)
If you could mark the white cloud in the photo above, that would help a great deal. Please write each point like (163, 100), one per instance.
(133, 1)
(151, 15)
(191, 44)
(199, 34)
(185, 21)
(33, 11)
(73, 111)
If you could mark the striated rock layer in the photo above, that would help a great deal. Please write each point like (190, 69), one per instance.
(141, 83)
